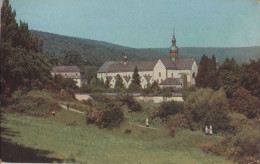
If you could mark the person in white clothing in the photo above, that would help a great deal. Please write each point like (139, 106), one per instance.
(210, 130)
(147, 122)
(206, 130)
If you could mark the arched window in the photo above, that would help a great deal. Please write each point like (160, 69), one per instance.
(172, 75)
(160, 74)
(193, 75)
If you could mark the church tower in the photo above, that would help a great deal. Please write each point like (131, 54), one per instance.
(174, 49)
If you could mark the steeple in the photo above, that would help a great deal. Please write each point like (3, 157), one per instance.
(174, 48)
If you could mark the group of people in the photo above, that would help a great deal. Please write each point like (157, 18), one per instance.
(208, 131)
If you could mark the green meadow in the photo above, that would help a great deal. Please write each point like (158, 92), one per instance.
(67, 137)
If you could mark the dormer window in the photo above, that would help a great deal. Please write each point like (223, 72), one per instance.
(160, 74)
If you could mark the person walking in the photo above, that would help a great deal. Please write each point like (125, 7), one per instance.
(210, 130)
(147, 122)
(53, 113)
(206, 130)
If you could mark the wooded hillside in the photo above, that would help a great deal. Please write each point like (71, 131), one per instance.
(96, 52)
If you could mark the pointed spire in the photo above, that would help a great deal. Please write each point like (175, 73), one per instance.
(174, 32)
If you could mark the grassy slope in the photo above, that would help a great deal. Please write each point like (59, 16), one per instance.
(67, 137)
(97, 52)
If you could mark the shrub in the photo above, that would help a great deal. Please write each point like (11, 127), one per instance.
(177, 121)
(107, 118)
(243, 102)
(39, 105)
(243, 147)
(132, 104)
(127, 131)
(206, 107)
(105, 111)
(168, 108)
(248, 141)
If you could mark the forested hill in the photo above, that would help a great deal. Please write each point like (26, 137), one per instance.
(96, 52)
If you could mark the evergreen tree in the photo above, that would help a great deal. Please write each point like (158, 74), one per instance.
(136, 82)
(23, 65)
(207, 72)
(119, 82)
(107, 84)
(101, 83)
(202, 72)
(250, 77)
(228, 76)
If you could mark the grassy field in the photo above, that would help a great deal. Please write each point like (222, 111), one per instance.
(67, 137)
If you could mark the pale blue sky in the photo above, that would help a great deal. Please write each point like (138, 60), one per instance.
(148, 23)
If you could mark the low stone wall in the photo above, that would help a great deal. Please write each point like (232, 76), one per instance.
(155, 99)
(82, 96)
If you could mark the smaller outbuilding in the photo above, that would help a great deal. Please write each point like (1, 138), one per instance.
(70, 72)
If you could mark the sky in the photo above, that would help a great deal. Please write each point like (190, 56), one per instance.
(147, 23)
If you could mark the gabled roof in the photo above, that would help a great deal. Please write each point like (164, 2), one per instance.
(106, 66)
(147, 78)
(113, 66)
(116, 66)
(168, 63)
(65, 69)
(179, 64)
(171, 81)
(184, 64)
(127, 78)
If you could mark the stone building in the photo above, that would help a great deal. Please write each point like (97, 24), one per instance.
(166, 72)
(71, 72)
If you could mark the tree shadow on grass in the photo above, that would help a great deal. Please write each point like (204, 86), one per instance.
(11, 152)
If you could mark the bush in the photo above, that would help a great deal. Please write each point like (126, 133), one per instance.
(30, 104)
(243, 102)
(168, 108)
(108, 118)
(177, 121)
(206, 107)
(105, 111)
(127, 131)
(242, 147)
(132, 104)
(247, 141)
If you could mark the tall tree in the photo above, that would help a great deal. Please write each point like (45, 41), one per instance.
(202, 72)
(228, 76)
(23, 65)
(250, 77)
(119, 82)
(136, 82)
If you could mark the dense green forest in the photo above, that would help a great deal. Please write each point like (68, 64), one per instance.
(97, 52)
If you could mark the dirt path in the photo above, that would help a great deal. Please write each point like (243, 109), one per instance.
(71, 109)
(143, 126)
(77, 111)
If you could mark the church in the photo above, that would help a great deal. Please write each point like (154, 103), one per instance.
(166, 72)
